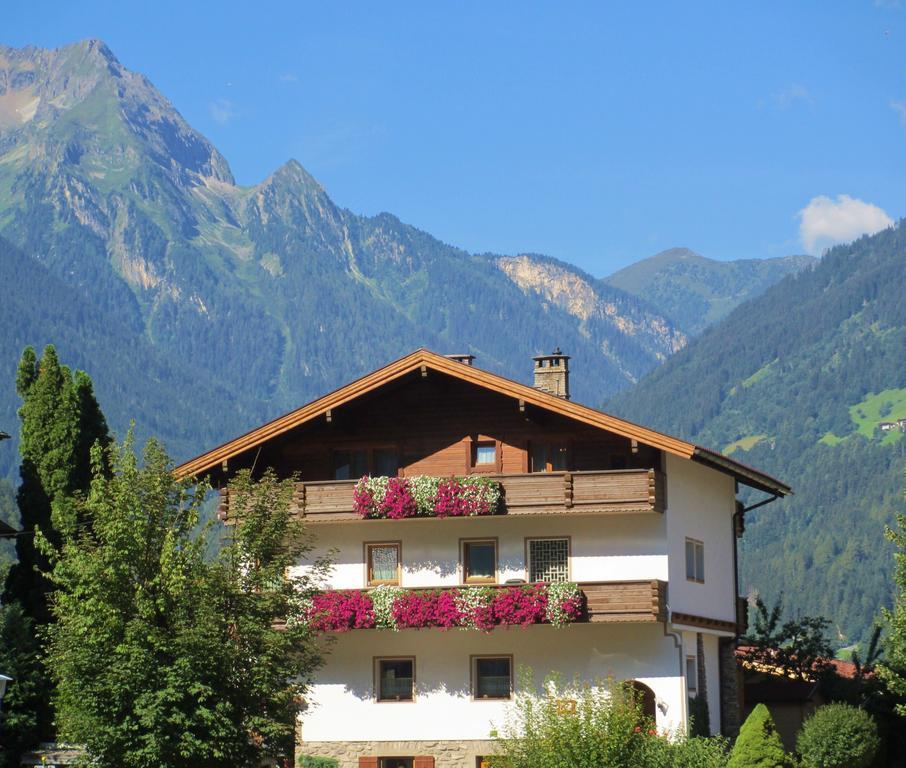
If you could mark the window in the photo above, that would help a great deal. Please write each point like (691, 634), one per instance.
(395, 679)
(383, 563)
(548, 560)
(484, 761)
(353, 463)
(492, 677)
(485, 455)
(692, 675)
(695, 561)
(386, 462)
(395, 762)
(479, 561)
(549, 457)
(350, 465)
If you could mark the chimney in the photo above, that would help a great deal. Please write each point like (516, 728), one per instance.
(552, 373)
(467, 359)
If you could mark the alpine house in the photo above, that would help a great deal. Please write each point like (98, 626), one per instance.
(479, 526)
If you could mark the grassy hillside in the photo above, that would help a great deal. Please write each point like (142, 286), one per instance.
(795, 382)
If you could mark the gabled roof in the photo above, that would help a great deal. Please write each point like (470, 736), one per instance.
(425, 359)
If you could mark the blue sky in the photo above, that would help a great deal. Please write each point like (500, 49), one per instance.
(598, 133)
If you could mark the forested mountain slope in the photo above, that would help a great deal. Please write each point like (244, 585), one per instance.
(695, 291)
(201, 307)
(796, 382)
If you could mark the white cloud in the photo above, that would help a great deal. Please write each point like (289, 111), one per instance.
(825, 222)
(900, 108)
(788, 97)
(222, 110)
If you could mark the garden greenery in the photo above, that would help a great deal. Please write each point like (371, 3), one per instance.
(590, 726)
(838, 736)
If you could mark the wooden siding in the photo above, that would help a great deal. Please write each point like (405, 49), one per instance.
(544, 493)
(622, 601)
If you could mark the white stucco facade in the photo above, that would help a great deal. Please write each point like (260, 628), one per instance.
(343, 707)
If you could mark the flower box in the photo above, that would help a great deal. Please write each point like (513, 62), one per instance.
(481, 608)
(397, 498)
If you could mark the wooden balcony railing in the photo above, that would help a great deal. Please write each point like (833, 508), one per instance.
(542, 493)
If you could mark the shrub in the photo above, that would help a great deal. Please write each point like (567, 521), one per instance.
(838, 736)
(309, 761)
(758, 744)
(605, 727)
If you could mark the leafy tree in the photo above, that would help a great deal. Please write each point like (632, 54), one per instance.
(838, 736)
(893, 670)
(759, 744)
(161, 656)
(797, 647)
(25, 697)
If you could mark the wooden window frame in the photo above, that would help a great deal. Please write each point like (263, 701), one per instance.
(569, 555)
(696, 578)
(366, 547)
(376, 666)
(473, 675)
(463, 571)
(472, 444)
(549, 445)
(381, 763)
(369, 450)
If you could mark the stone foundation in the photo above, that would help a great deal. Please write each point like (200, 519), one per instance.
(446, 754)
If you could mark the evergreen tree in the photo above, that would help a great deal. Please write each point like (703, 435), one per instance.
(60, 421)
(759, 744)
(162, 656)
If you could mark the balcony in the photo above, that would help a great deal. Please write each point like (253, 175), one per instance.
(426, 607)
(544, 493)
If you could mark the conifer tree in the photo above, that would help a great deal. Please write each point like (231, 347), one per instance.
(759, 744)
(60, 420)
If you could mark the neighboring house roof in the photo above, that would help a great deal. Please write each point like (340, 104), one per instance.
(844, 669)
(427, 360)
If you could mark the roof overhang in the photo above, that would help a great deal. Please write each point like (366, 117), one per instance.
(424, 360)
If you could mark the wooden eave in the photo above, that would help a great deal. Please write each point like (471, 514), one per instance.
(424, 361)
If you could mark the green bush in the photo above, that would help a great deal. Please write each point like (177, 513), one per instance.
(583, 726)
(308, 761)
(838, 736)
(758, 744)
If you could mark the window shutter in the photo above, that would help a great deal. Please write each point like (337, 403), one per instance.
(423, 762)
(368, 762)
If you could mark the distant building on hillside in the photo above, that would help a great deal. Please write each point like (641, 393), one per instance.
(887, 426)
(901, 423)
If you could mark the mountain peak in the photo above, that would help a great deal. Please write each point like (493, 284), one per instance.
(292, 172)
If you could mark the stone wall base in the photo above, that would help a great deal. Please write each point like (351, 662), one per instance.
(446, 754)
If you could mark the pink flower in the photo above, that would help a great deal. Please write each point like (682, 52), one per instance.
(398, 501)
(341, 611)
(520, 605)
